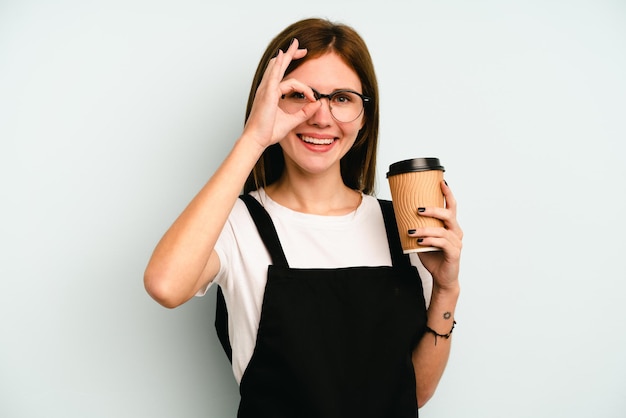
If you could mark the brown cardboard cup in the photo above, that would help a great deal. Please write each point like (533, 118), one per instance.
(415, 183)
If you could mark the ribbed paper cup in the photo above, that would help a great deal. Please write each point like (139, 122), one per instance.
(415, 183)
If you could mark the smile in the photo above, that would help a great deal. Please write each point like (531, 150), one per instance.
(317, 141)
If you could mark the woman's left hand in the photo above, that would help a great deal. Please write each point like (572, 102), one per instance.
(443, 265)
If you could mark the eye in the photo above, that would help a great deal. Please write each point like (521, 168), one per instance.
(295, 96)
(343, 98)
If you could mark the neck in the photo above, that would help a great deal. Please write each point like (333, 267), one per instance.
(319, 195)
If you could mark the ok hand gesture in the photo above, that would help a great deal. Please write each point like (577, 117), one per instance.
(267, 123)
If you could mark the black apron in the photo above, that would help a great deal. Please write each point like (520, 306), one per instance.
(332, 342)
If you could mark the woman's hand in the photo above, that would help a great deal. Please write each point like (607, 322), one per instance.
(267, 123)
(431, 354)
(442, 265)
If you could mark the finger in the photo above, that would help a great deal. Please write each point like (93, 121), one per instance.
(291, 85)
(300, 53)
(449, 196)
(292, 53)
(293, 47)
(272, 75)
(447, 216)
(451, 205)
(451, 249)
(275, 72)
(276, 67)
(438, 237)
(308, 110)
(455, 236)
(430, 231)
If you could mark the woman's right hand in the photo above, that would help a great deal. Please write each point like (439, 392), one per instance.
(267, 123)
(185, 260)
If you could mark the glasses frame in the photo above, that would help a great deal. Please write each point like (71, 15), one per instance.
(364, 100)
(330, 96)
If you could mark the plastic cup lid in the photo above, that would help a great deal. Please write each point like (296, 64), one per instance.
(414, 164)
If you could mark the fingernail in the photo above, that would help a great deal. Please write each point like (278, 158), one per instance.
(421, 210)
(291, 42)
(411, 231)
(446, 183)
(420, 240)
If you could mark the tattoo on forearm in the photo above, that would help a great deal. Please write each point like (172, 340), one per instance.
(447, 315)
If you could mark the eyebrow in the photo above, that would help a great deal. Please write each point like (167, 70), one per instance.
(336, 90)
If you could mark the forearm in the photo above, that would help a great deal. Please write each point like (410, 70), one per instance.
(179, 263)
(431, 354)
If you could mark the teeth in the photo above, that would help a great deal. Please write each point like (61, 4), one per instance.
(317, 141)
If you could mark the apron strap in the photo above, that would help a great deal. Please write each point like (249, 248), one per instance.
(268, 234)
(398, 258)
(221, 323)
(267, 231)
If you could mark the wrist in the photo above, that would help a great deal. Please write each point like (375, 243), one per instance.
(439, 335)
(449, 292)
(442, 308)
(251, 144)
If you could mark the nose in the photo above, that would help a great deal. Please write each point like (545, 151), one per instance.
(323, 116)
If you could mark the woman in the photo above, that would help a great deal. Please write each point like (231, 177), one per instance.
(327, 318)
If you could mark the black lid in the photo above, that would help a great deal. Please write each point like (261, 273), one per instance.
(414, 164)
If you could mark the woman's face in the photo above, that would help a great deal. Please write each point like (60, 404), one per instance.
(317, 145)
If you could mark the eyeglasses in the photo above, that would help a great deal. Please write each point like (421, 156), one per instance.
(345, 105)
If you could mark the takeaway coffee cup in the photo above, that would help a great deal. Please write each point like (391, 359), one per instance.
(415, 183)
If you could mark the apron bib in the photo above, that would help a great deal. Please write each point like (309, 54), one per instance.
(332, 342)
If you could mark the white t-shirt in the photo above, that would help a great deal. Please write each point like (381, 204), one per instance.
(309, 241)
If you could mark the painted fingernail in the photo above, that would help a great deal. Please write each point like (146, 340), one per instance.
(411, 231)
(420, 210)
(291, 42)
(420, 240)
(446, 183)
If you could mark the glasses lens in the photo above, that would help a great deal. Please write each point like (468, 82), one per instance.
(345, 106)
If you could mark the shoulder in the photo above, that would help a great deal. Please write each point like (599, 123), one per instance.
(240, 210)
(372, 207)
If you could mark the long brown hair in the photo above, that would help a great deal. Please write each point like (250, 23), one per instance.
(319, 37)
